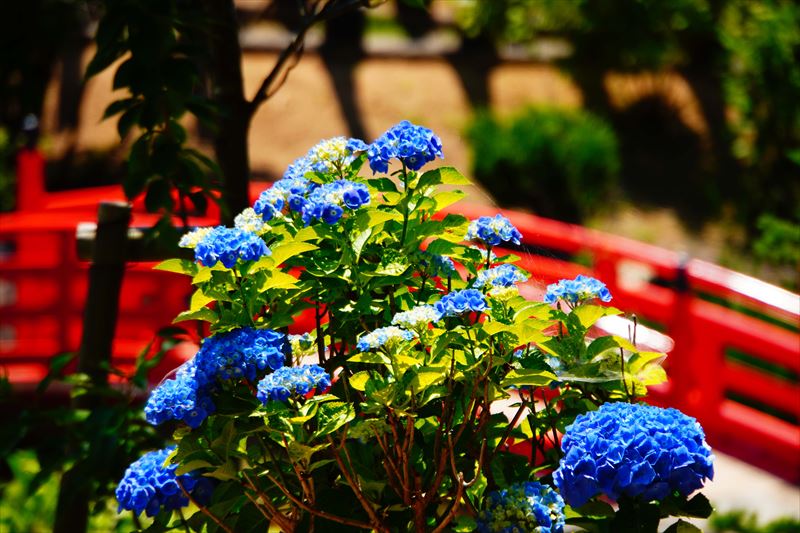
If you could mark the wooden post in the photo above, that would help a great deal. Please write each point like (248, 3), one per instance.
(94, 358)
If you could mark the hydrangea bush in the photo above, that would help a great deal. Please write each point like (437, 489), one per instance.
(359, 346)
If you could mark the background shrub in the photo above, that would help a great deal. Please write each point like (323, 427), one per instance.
(560, 163)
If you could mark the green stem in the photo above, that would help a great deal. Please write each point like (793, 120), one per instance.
(405, 207)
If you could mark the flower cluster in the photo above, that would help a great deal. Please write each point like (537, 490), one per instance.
(241, 353)
(179, 399)
(249, 220)
(417, 318)
(574, 291)
(327, 202)
(148, 485)
(523, 508)
(413, 145)
(381, 337)
(634, 450)
(501, 276)
(493, 231)
(229, 245)
(286, 193)
(460, 302)
(288, 380)
(333, 154)
(193, 238)
(302, 345)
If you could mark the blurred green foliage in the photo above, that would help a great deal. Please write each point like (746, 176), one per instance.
(741, 58)
(562, 163)
(76, 436)
(29, 508)
(8, 181)
(742, 522)
(778, 244)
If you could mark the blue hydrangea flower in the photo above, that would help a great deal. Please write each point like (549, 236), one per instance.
(460, 302)
(328, 202)
(417, 318)
(288, 193)
(574, 291)
(500, 276)
(437, 265)
(241, 353)
(493, 231)
(229, 245)
(302, 345)
(334, 154)
(150, 486)
(413, 145)
(248, 220)
(635, 450)
(383, 337)
(289, 380)
(179, 399)
(523, 508)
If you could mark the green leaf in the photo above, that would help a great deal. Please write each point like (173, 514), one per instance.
(191, 466)
(444, 199)
(600, 345)
(178, 266)
(278, 280)
(199, 300)
(698, 507)
(118, 106)
(128, 119)
(360, 238)
(494, 327)
(595, 509)
(283, 252)
(370, 357)
(588, 314)
(359, 380)
(682, 526)
(443, 175)
(373, 217)
(333, 415)
(300, 453)
(465, 524)
(204, 313)
(528, 377)
(427, 376)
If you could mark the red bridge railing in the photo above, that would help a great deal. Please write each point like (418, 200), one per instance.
(736, 360)
(735, 364)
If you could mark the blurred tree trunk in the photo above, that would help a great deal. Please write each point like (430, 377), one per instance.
(225, 76)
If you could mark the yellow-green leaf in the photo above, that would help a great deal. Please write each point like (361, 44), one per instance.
(278, 280)
(444, 175)
(282, 252)
(204, 313)
(528, 377)
(200, 300)
(370, 358)
(178, 266)
(359, 380)
(443, 199)
(588, 314)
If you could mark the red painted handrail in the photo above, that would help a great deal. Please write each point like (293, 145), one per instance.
(42, 286)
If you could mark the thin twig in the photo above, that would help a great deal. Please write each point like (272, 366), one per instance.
(352, 483)
(322, 514)
(454, 507)
(204, 509)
